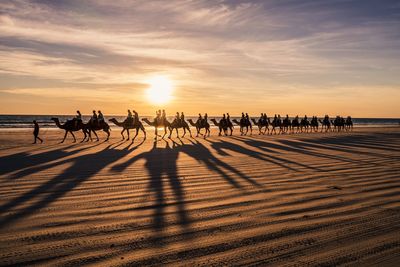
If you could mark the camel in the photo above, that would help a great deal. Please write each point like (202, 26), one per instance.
(286, 125)
(314, 124)
(276, 122)
(349, 124)
(326, 123)
(304, 124)
(93, 127)
(261, 124)
(179, 124)
(171, 126)
(126, 126)
(156, 124)
(200, 125)
(338, 124)
(244, 123)
(222, 125)
(295, 124)
(71, 126)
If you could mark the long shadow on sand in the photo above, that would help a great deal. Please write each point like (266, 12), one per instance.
(81, 169)
(23, 160)
(161, 162)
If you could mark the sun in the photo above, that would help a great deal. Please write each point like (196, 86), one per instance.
(160, 90)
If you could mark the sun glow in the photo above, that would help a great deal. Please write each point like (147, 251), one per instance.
(160, 90)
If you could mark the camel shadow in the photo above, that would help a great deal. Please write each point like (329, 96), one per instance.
(23, 160)
(161, 162)
(265, 155)
(80, 170)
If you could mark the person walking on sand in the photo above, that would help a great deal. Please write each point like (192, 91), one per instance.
(36, 132)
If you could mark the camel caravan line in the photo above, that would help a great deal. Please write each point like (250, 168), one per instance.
(265, 125)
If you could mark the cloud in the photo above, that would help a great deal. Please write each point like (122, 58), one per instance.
(231, 49)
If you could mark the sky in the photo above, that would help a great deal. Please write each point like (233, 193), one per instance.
(275, 56)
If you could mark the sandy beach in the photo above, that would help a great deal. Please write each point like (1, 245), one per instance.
(300, 199)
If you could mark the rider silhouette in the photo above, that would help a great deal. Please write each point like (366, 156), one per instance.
(100, 117)
(94, 118)
(182, 117)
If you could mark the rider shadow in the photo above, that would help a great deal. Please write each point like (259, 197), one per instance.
(81, 169)
(162, 163)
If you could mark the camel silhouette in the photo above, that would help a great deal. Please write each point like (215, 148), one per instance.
(261, 124)
(223, 126)
(126, 126)
(71, 126)
(200, 125)
(243, 123)
(93, 127)
(170, 125)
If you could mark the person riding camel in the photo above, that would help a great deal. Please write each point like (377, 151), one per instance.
(78, 118)
(163, 116)
(100, 117)
(136, 117)
(94, 119)
(182, 117)
(158, 116)
(200, 120)
(129, 118)
(247, 118)
(178, 118)
(223, 120)
(228, 118)
(205, 120)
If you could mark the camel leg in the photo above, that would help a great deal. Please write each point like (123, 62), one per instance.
(96, 135)
(137, 132)
(155, 133)
(65, 136)
(190, 132)
(144, 131)
(184, 132)
(107, 131)
(122, 133)
(84, 136)
(165, 132)
(73, 136)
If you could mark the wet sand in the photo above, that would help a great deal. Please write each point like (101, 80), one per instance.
(316, 199)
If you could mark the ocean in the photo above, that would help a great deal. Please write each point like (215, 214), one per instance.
(25, 121)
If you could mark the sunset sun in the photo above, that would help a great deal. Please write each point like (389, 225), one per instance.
(160, 90)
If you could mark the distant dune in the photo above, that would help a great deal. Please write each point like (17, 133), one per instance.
(318, 199)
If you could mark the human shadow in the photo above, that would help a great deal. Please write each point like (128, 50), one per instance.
(161, 162)
(80, 170)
